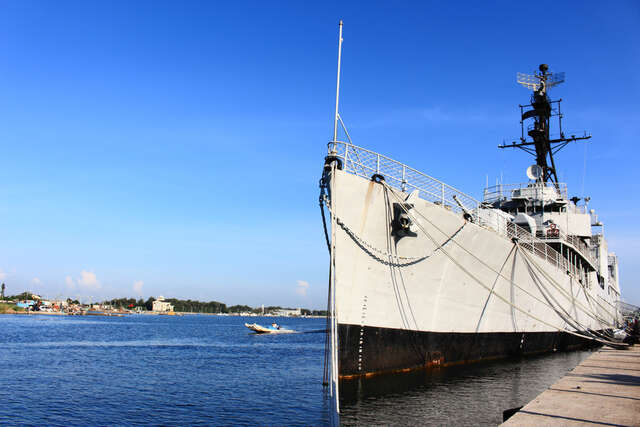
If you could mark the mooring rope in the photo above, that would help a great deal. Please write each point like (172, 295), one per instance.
(397, 272)
(479, 282)
(486, 303)
(559, 287)
(325, 375)
(570, 319)
(380, 255)
(334, 311)
(586, 310)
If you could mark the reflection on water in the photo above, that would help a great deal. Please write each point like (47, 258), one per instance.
(469, 395)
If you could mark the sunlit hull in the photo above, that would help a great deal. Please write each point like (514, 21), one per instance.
(453, 292)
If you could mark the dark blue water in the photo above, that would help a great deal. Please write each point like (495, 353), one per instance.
(474, 395)
(209, 370)
(159, 370)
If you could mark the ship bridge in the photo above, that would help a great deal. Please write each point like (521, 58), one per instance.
(544, 209)
(529, 196)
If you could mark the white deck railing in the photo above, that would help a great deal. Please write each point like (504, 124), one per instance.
(362, 162)
(536, 190)
(574, 241)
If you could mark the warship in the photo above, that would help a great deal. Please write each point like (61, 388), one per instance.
(423, 275)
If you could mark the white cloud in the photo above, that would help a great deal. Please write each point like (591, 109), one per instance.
(137, 287)
(302, 287)
(71, 284)
(36, 281)
(88, 280)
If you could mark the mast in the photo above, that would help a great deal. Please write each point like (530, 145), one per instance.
(335, 123)
(541, 109)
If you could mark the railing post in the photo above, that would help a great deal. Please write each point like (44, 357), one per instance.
(377, 163)
(545, 252)
(442, 194)
(346, 158)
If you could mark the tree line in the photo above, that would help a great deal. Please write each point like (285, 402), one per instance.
(186, 306)
(194, 306)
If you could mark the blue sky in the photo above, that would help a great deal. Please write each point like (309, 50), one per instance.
(174, 148)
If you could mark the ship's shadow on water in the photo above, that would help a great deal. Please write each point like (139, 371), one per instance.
(462, 395)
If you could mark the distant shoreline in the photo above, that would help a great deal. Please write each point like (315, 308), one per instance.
(153, 313)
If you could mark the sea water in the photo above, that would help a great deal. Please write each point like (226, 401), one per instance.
(211, 370)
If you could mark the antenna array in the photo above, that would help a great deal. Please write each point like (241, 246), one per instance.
(542, 81)
(541, 145)
(529, 81)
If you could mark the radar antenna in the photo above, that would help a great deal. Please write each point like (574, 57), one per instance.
(541, 110)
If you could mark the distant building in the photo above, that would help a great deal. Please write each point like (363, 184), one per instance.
(286, 312)
(161, 305)
(26, 304)
(61, 303)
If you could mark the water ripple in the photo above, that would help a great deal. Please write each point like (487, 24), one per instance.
(156, 370)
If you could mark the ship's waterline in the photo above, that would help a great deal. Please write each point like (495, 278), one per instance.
(368, 351)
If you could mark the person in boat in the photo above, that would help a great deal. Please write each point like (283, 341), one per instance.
(275, 325)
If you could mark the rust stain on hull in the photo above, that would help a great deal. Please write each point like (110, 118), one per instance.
(367, 202)
(429, 366)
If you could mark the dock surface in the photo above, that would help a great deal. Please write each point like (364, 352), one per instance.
(602, 390)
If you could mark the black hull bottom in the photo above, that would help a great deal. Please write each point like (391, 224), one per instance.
(365, 350)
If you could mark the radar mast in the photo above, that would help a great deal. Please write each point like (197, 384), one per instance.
(541, 109)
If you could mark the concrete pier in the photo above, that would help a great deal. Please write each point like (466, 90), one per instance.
(603, 390)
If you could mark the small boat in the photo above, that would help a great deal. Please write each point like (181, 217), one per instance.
(259, 329)
(620, 334)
